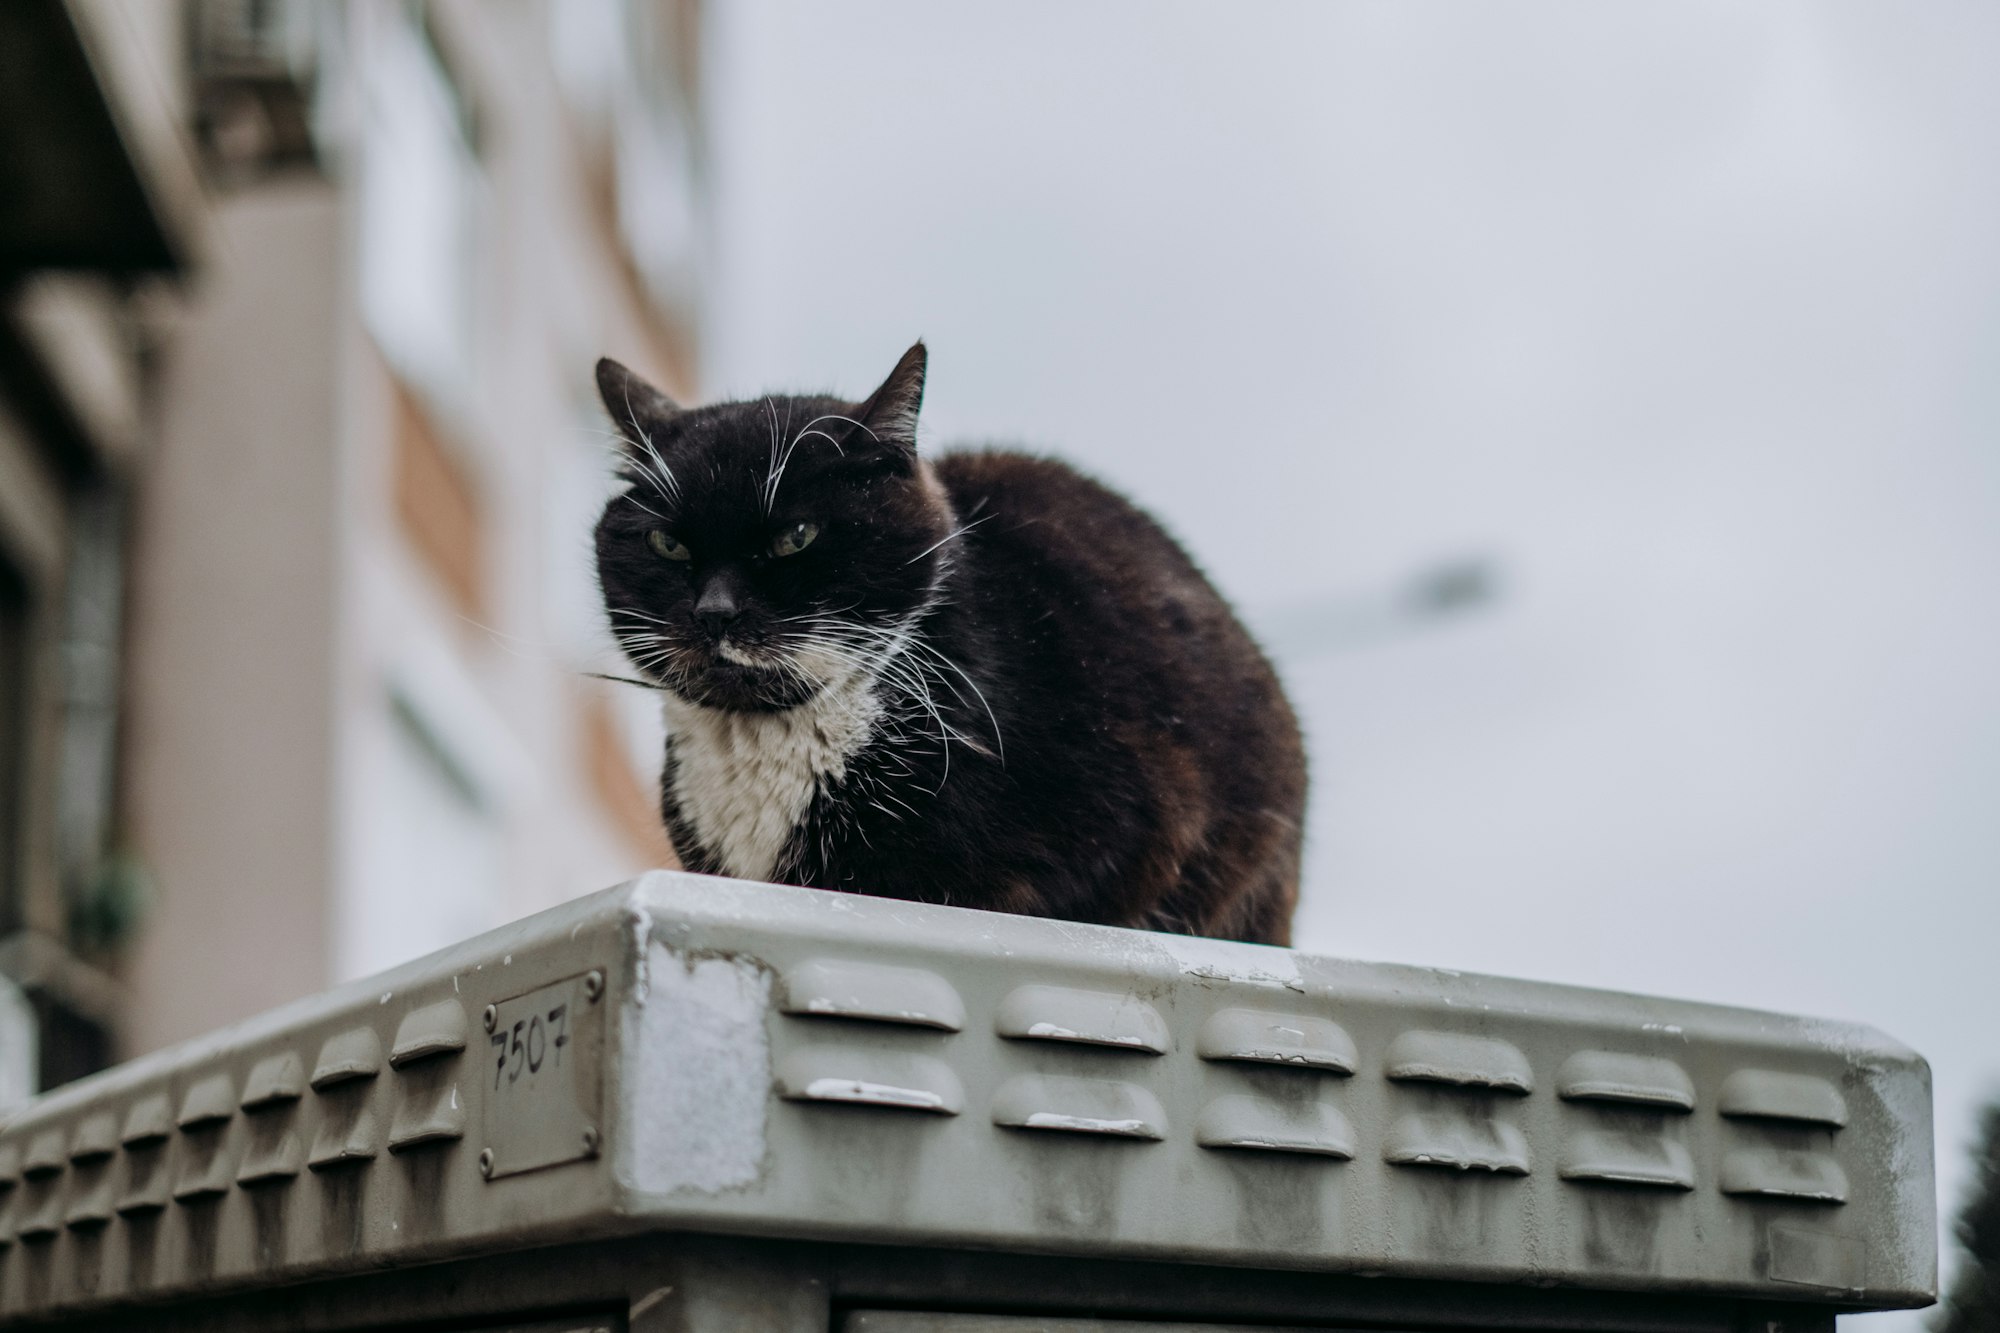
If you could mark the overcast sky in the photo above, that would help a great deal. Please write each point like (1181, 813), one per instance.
(1685, 316)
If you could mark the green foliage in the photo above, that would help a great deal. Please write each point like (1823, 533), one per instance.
(1973, 1303)
(109, 911)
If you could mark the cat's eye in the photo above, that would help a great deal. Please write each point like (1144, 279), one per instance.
(666, 546)
(794, 539)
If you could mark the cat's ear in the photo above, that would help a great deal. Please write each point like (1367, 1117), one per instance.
(637, 407)
(890, 413)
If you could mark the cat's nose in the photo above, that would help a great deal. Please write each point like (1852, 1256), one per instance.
(717, 607)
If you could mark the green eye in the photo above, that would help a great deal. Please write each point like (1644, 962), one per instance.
(664, 545)
(795, 539)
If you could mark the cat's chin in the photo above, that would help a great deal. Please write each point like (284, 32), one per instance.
(729, 687)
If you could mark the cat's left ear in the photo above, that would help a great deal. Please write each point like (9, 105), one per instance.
(637, 407)
(890, 413)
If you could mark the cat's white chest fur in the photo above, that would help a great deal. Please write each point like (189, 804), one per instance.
(743, 781)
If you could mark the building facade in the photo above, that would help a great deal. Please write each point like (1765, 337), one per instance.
(300, 473)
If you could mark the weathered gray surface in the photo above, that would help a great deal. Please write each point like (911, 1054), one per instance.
(908, 1321)
(788, 1063)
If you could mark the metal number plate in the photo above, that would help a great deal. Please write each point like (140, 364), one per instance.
(543, 1077)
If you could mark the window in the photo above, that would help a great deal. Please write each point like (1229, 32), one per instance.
(431, 856)
(15, 656)
(418, 195)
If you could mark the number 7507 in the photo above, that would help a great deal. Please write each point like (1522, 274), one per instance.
(528, 1044)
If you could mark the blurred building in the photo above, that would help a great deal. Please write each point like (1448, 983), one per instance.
(299, 455)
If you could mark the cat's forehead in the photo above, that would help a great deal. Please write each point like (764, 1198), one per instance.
(735, 461)
(761, 427)
(773, 416)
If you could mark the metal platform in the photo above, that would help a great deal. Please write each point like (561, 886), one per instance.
(693, 1057)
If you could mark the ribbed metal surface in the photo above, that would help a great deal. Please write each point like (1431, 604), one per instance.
(700, 1054)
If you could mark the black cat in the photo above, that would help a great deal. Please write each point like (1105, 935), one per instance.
(979, 679)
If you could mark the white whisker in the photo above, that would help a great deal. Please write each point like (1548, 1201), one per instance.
(959, 531)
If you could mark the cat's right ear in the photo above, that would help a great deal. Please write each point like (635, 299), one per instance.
(889, 415)
(637, 407)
